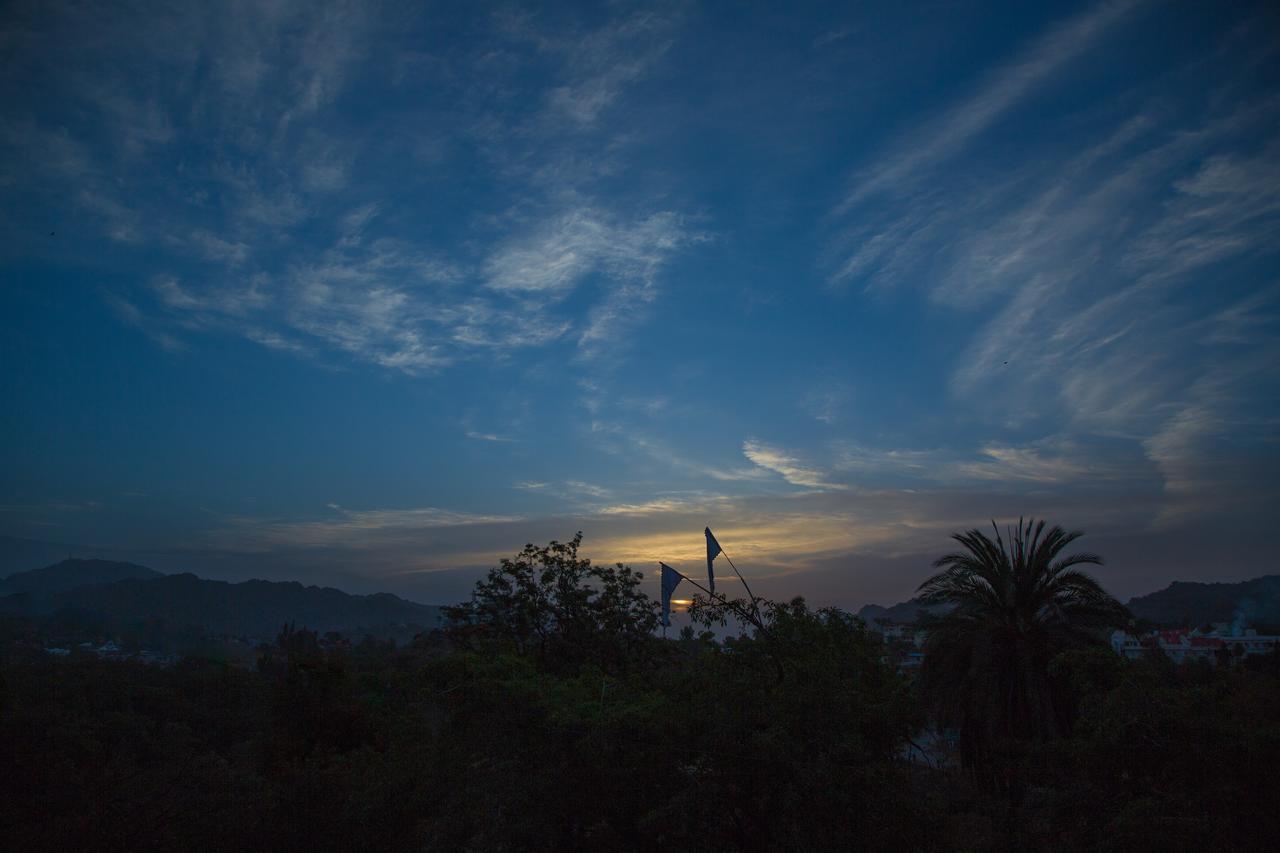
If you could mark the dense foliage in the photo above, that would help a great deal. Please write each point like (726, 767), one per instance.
(551, 718)
(558, 607)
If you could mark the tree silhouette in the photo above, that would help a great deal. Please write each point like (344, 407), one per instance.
(1016, 606)
(550, 602)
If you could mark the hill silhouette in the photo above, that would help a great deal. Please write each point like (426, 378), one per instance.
(1194, 603)
(906, 612)
(71, 574)
(250, 608)
(129, 593)
(1251, 602)
(22, 555)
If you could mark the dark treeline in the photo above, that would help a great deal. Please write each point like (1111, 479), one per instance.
(550, 716)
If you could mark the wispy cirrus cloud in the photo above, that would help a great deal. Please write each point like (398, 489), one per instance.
(488, 436)
(596, 65)
(347, 529)
(883, 538)
(1053, 461)
(1051, 293)
(1024, 463)
(621, 438)
(942, 138)
(1085, 271)
(558, 254)
(131, 316)
(251, 167)
(378, 300)
(791, 469)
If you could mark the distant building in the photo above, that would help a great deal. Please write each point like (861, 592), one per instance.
(912, 660)
(1182, 644)
(1127, 645)
(896, 630)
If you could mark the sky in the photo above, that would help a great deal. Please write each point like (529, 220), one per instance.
(372, 294)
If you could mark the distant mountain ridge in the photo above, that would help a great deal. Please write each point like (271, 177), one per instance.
(131, 593)
(1195, 603)
(907, 612)
(70, 574)
(250, 608)
(128, 591)
(1181, 602)
(21, 555)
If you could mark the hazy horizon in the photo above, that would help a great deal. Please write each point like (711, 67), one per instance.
(369, 297)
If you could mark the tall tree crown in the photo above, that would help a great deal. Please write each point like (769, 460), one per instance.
(550, 601)
(1023, 582)
(1016, 605)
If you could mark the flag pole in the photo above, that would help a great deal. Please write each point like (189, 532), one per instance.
(741, 578)
(753, 619)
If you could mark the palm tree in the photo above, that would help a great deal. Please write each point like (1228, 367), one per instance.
(986, 666)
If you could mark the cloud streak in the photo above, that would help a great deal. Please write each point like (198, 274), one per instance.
(964, 121)
(242, 171)
(1086, 272)
(783, 463)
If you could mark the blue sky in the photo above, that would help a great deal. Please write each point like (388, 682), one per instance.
(372, 294)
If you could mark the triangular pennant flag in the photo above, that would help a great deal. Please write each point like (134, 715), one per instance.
(670, 580)
(713, 549)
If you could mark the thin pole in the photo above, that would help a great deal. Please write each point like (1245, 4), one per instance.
(744, 581)
(753, 619)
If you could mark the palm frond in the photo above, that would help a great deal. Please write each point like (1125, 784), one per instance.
(1019, 600)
